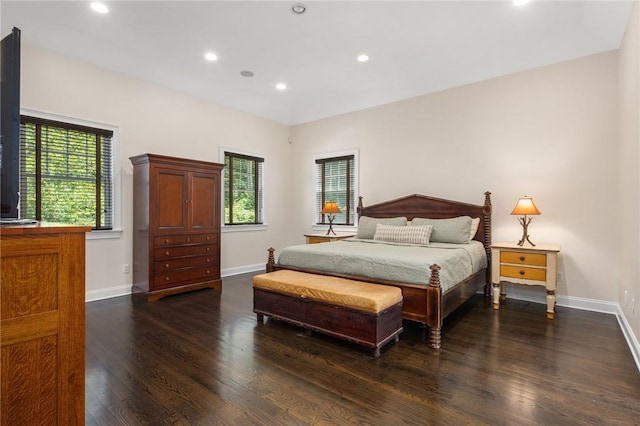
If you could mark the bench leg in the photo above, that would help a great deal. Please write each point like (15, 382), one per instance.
(376, 353)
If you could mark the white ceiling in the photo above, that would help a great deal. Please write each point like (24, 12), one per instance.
(416, 47)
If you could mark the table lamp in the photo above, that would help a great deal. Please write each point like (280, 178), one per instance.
(330, 208)
(525, 207)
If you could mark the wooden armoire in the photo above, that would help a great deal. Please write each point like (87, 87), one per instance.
(176, 225)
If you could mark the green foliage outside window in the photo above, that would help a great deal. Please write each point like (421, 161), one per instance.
(243, 189)
(68, 180)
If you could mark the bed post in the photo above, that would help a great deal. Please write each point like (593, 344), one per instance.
(487, 240)
(271, 261)
(434, 308)
(360, 206)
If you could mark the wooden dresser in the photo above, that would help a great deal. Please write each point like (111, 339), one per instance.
(176, 225)
(42, 324)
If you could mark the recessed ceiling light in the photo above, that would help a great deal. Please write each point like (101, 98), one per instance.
(281, 86)
(99, 7)
(520, 2)
(246, 73)
(363, 58)
(298, 8)
(210, 56)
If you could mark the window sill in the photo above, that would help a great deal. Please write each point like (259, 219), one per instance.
(104, 235)
(244, 228)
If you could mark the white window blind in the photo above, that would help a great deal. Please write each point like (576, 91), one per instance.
(243, 201)
(335, 181)
(66, 173)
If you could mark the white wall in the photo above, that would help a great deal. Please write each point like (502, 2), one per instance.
(629, 109)
(550, 133)
(161, 121)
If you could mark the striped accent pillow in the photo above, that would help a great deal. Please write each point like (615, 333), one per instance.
(403, 234)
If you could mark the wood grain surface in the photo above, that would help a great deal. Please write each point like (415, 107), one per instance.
(201, 359)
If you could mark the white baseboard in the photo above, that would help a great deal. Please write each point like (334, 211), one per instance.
(124, 290)
(632, 341)
(243, 270)
(530, 295)
(106, 293)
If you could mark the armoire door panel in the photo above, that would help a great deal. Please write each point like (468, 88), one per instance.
(172, 199)
(205, 190)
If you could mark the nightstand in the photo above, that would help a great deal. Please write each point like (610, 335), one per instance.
(530, 265)
(322, 237)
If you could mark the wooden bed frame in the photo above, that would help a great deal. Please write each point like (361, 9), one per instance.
(427, 304)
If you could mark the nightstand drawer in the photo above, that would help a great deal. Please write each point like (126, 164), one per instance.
(316, 240)
(324, 238)
(519, 258)
(534, 274)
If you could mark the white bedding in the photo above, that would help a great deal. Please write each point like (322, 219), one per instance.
(406, 263)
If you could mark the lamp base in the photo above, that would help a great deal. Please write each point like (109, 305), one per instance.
(330, 230)
(525, 236)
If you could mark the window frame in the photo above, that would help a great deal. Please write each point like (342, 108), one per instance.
(263, 215)
(116, 219)
(316, 178)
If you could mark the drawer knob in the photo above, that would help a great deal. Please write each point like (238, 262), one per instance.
(208, 260)
(166, 265)
(208, 249)
(188, 239)
(166, 278)
(521, 258)
(521, 272)
(166, 253)
(208, 271)
(208, 238)
(166, 241)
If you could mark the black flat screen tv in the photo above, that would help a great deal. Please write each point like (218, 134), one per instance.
(10, 129)
(10, 126)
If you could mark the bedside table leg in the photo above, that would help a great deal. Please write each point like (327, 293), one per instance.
(496, 296)
(551, 304)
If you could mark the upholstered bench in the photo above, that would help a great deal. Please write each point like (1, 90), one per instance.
(363, 313)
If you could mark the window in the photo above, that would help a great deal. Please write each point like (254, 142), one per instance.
(66, 173)
(243, 193)
(336, 181)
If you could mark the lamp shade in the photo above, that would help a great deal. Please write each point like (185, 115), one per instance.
(525, 206)
(330, 207)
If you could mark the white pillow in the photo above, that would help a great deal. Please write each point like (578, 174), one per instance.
(367, 225)
(475, 223)
(403, 234)
(453, 230)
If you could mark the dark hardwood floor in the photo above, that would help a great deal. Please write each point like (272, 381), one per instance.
(201, 359)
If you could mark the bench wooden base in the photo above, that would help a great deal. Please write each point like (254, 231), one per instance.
(369, 329)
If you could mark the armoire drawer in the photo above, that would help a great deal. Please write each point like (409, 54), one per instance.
(166, 265)
(176, 240)
(187, 274)
(182, 251)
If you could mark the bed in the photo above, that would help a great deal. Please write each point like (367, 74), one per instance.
(430, 292)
